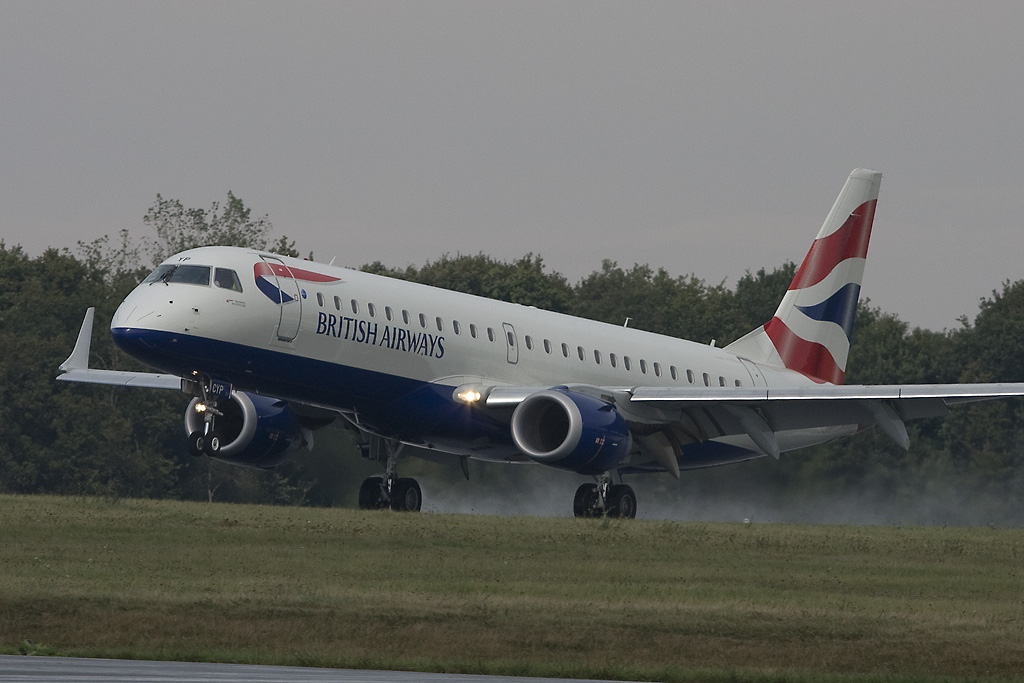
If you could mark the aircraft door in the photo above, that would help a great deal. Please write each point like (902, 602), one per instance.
(289, 299)
(512, 343)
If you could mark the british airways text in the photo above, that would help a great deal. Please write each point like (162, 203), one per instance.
(366, 332)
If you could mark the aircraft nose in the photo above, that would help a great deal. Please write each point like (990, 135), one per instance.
(121, 316)
(134, 310)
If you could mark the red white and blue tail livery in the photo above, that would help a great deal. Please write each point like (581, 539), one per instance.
(272, 348)
(811, 329)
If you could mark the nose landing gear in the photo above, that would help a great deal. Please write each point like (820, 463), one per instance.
(205, 441)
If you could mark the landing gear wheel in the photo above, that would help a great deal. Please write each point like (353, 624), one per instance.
(212, 445)
(197, 444)
(584, 504)
(406, 496)
(371, 494)
(622, 502)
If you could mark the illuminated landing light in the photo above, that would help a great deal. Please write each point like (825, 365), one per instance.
(470, 394)
(200, 407)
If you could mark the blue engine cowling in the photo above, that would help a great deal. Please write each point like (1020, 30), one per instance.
(255, 430)
(570, 431)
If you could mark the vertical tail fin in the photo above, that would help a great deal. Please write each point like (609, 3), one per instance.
(811, 329)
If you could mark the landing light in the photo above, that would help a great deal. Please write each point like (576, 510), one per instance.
(200, 407)
(469, 393)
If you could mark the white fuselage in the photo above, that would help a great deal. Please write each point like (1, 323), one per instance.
(385, 340)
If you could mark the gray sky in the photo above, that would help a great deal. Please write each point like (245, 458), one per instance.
(706, 138)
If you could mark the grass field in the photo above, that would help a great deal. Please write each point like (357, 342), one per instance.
(527, 596)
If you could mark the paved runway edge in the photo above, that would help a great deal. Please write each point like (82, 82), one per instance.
(26, 669)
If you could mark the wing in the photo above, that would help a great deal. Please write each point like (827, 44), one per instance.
(764, 414)
(76, 367)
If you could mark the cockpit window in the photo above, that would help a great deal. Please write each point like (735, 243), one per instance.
(191, 275)
(227, 279)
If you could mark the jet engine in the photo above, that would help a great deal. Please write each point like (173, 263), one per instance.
(570, 431)
(254, 430)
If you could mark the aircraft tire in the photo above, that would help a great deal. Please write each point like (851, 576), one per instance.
(371, 494)
(196, 444)
(584, 500)
(622, 502)
(212, 445)
(407, 496)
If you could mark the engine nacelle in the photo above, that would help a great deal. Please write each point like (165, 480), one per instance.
(570, 431)
(255, 430)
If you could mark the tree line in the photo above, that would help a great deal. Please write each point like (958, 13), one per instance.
(95, 440)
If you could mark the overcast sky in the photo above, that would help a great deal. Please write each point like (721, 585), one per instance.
(706, 138)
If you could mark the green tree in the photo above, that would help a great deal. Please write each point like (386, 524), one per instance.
(984, 442)
(993, 342)
(178, 228)
(755, 299)
(522, 281)
(652, 300)
(54, 437)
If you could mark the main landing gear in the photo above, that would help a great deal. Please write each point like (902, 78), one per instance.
(604, 499)
(389, 491)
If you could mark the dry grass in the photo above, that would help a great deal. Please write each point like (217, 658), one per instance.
(643, 600)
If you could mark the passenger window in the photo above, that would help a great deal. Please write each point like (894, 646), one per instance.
(388, 313)
(707, 380)
(721, 381)
(423, 320)
(472, 330)
(580, 352)
(320, 299)
(227, 279)
(490, 334)
(440, 325)
(405, 316)
(675, 373)
(456, 327)
(597, 356)
(738, 383)
(611, 359)
(689, 376)
(643, 366)
(657, 369)
(565, 350)
(529, 342)
(337, 303)
(625, 362)
(355, 307)
(372, 310)
(547, 346)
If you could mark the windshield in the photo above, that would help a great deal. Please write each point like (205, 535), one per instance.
(191, 275)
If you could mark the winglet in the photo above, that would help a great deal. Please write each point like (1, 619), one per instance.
(79, 358)
(76, 367)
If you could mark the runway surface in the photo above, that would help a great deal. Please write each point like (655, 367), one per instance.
(18, 669)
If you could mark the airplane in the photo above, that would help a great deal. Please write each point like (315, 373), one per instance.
(271, 348)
